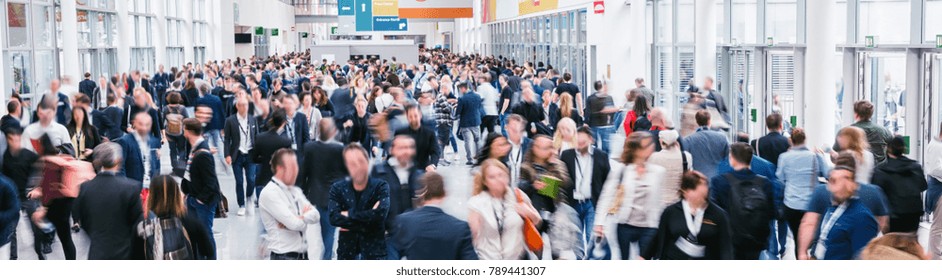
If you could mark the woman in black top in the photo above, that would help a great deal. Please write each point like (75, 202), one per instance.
(356, 125)
(694, 228)
(322, 102)
(84, 136)
(190, 93)
(165, 202)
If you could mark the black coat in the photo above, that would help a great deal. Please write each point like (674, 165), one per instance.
(427, 150)
(233, 134)
(903, 182)
(108, 122)
(771, 146)
(600, 169)
(108, 208)
(301, 130)
(321, 167)
(401, 197)
(266, 145)
(203, 183)
(88, 87)
(427, 233)
(365, 226)
(132, 110)
(715, 234)
(532, 112)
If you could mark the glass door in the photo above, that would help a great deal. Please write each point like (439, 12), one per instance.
(736, 66)
(883, 81)
(932, 93)
(781, 95)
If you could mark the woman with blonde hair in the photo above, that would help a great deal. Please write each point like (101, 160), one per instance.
(496, 218)
(165, 204)
(565, 136)
(854, 140)
(566, 110)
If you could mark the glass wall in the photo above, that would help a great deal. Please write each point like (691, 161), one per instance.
(28, 46)
(933, 22)
(200, 31)
(782, 21)
(97, 37)
(558, 40)
(744, 22)
(887, 20)
(142, 19)
(175, 30)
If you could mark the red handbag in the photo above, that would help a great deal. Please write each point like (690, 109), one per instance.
(531, 236)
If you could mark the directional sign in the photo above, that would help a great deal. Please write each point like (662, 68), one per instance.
(389, 24)
(345, 7)
(385, 8)
(364, 15)
(274, 32)
(259, 30)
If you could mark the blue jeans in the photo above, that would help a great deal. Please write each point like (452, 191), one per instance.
(472, 138)
(240, 163)
(205, 212)
(601, 135)
(932, 194)
(586, 211)
(777, 240)
(628, 234)
(215, 141)
(391, 252)
(328, 232)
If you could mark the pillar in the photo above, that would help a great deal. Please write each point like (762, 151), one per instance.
(70, 57)
(705, 38)
(160, 33)
(187, 40)
(819, 92)
(125, 36)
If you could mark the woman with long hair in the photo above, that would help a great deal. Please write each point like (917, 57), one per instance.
(540, 169)
(854, 140)
(84, 135)
(495, 216)
(631, 196)
(313, 113)
(165, 203)
(190, 94)
(322, 102)
(565, 136)
(567, 110)
(496, 147)
(693, 228)
(639, 112)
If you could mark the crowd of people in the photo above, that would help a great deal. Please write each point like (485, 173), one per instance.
(357, 148)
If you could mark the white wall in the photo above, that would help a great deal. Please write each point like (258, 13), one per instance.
(269, 14)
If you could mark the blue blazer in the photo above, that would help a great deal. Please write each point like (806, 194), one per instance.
(133, 167)
(851, 233)
(366, 226)
(9, 209)
(428, 233)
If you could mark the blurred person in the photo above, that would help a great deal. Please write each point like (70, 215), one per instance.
(12, 118)
(716, 98)
(588, 167)
(799, 170)
(565, 109)
(57, 133)
(565, 136)
(358, 206)
(296, 125)
(106, 120)
(676, 162)
(694, 228)
(313, 113)
(688, 120)
(285, 211)
(139, 151)
(239, 139)
(217, 121)
(847, 225)
(469, 120)
(166, 204)
(519, 145)
(200, 182)
(18, 165)
(854, 140)
(174, 113)
(84, 136)
(57, 211)
(495, 216)
(644, 91)
(319, 170)
(428, 233)
(541, 165)
(427, 149)
(773, 144)
(933, 169)
(532, 112)
(496, 146)
(894, 246)
(600, 117)
(9, 216)
(402, 176)
(903, 182)
(108, 207)
(749, 200)
(876, 135)
(708, 147)
(356, 127)
(631, 196)
(445, 106)
(142, 104)
(567, 86)
(322, 102)
(266, 144)
(489, 102)
(637, 119)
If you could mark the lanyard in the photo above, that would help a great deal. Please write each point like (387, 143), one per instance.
(245, 131)
(831, 219)
(286, 191)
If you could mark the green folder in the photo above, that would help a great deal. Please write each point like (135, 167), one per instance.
(552, 186)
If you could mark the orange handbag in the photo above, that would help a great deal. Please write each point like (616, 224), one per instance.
(531, 236)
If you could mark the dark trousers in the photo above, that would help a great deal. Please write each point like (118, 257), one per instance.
(39, 237)
(242, 165)
(905, 222)
(328, 233)
(289, 256)
(178, 156)
(628, 234)
(59, 213)
(444, 135)
(746, 254)
(793, 217)
(205, 212)
(490, 123)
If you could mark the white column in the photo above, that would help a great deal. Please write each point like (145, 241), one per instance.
(3, 74)
(70, 57)
(160, 36)
(819, 80)
(705, 53)
(187, 40)
(125, 35)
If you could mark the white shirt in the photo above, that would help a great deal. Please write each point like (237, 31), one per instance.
(515, 159)
(500, 232)
(402, 171)
(57, 133)
(933, 162)
(282, 205)
(583, 176)
(245, 143)
(489, 99)
(145, 156)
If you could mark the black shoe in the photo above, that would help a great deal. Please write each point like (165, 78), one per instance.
(47, 247)
(469, 163)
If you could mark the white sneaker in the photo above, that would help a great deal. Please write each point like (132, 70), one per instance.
(241, 211)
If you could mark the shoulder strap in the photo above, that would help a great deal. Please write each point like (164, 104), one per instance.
(814, 169)
(683, 155)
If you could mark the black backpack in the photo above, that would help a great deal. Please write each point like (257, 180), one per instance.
(642, 123)
(166, 239)
(750, 211)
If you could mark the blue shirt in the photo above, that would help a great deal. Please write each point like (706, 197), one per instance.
(708, 149)
(850, 233)
(796, 169)
(870, 196)
(213, 102)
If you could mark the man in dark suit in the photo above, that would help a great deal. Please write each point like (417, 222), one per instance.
(358, 206)
(108, 207)
(402, 176)
(160, 81)
(588, 168)
(200, 184)
(469, 112)
(240, 132)
(296, 127)
(427, 150)
(320, 169)
(774, 144)
(139, 151)
(107, 121)
(87, 86)
(427, 233)
(266, 144)
(218, 120)
(12, 118)
(136, 81)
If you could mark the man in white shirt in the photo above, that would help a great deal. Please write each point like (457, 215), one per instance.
(285, 211)
(46, 125)
(489, 100)
(589, 168)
